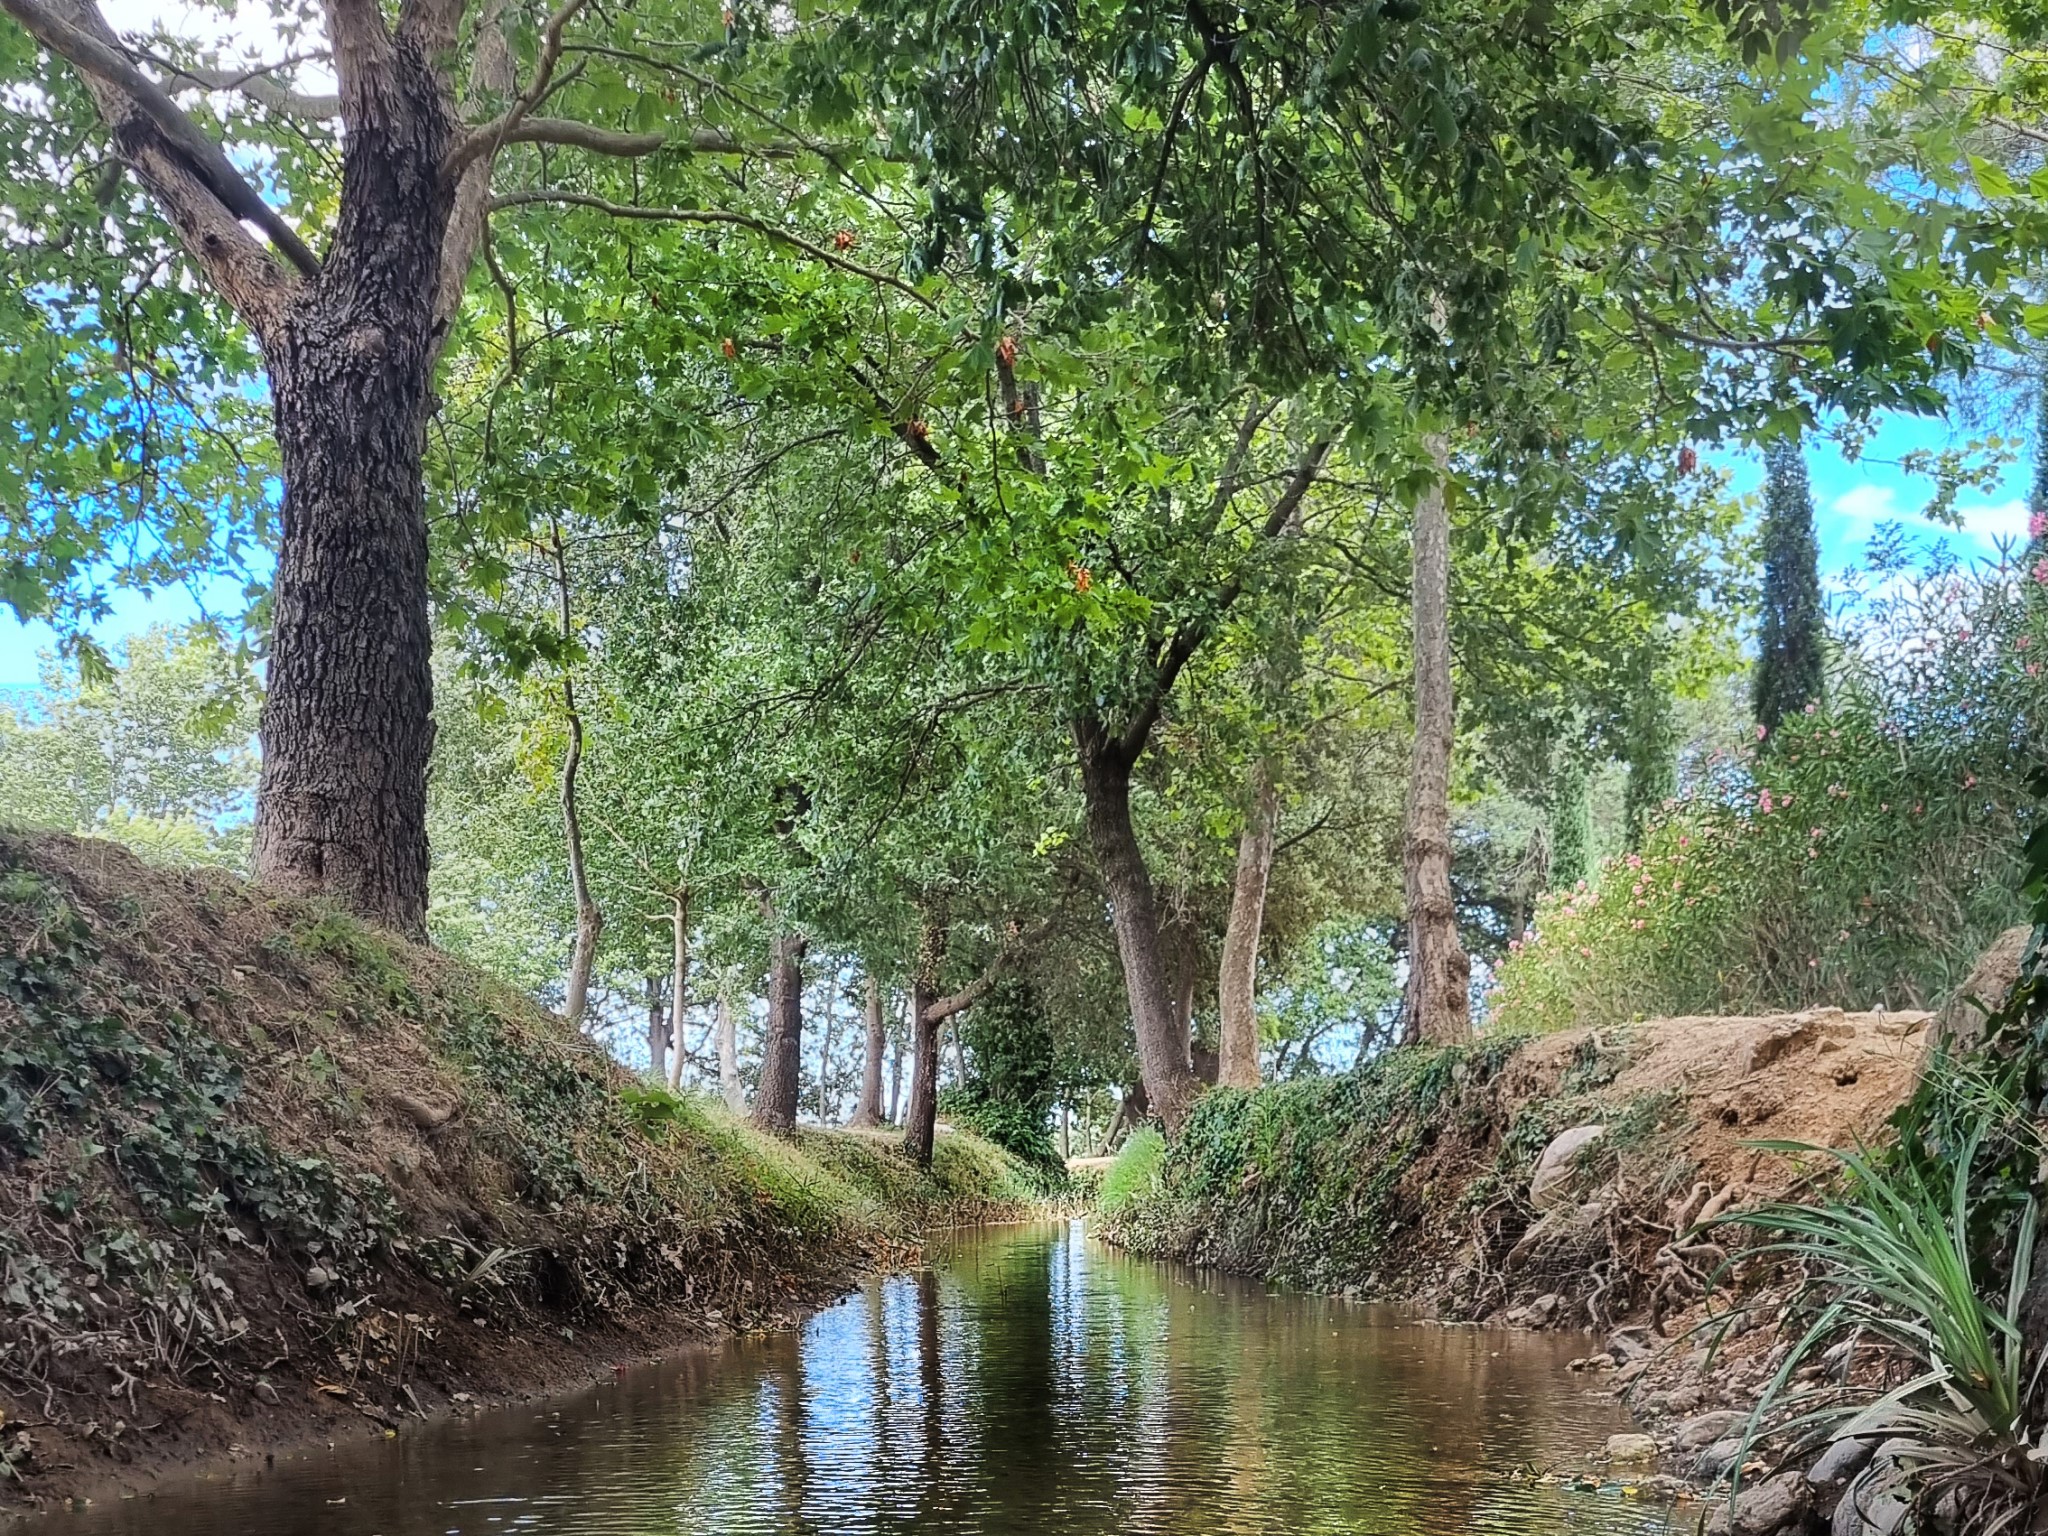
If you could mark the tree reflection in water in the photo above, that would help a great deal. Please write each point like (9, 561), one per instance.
(1027, 1381)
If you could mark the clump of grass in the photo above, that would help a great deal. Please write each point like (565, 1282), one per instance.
(1134, 1173)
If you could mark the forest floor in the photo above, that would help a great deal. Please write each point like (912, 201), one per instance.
(268, 1176)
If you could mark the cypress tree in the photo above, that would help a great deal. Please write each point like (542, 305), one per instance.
(1652, 754)
(1789, 656)
(1571, 824)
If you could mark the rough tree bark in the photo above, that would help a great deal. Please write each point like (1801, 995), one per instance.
(1162, 1043)
(775, 1097)
(349, 342)
(896, 1081)
(1237, 979)
(679, 981)
(921, 1113)
(729, 1057)
(929, 1013)
(867, 1114)
(1437, 1007)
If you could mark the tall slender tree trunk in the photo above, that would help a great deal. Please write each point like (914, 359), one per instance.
(1162, 1041)
(729, 1056)
(347, 726)
(775, 1099)
(657, 1031)
(825, 1048)
(679, 981)
(589, 919)
(867, 1114)
(1437, 1007)
(921, 1115)
(1237, 980)
(896, 1081)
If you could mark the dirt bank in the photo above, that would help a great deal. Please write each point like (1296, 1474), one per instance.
(267, 1176)
(1412, 1179)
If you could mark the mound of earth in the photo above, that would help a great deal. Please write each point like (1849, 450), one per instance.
(266, 1174)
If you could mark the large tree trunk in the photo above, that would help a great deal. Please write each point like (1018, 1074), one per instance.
(1237, 980)
(1437, 1007)
(657, 1031)
(729, 1057)
(775, 1100)
(867, 1114)
(341, 808)
(1162, 1041)
(921, 1115)
(679, 981)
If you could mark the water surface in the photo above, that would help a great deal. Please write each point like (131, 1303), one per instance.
(1028, 1381)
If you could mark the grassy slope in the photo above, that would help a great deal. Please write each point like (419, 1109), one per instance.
(263, 1171)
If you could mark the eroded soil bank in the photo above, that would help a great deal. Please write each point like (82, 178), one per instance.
(267, 1176)
(1550, 1183)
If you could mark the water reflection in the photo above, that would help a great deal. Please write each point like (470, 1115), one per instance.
(1029, 1381)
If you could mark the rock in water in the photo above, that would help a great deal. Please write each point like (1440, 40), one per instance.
(1631, 1448)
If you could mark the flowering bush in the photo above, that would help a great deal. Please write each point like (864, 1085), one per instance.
(1862, 856)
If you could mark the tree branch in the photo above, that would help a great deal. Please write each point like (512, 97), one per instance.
(362, 54)
(483, 142)
(1180, 650)
(941, 1009)
(201, 194)
(702, 216)
(254, 84)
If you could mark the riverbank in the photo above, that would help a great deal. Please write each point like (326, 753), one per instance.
(269, 1177)
(1552, 1182)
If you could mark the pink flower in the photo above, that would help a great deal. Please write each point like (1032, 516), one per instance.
(1684, 841)
(2037, 526)
(2033, 669)
(1764, 802)
(1761, 733)
(1816, 832)
(1585, 953)
(1813, 965)
(2023, 642)
(1970, 781)
(1810, 708)
(1638, 923)
(2041, 571)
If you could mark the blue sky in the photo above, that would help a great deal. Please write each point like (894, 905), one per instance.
(1850, 500)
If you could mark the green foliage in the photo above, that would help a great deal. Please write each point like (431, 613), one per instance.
(1304, 1182)
(1135, 1173)
(1895, 1256)
(164, 1108)
(1009, 1092)
(156, 749)
(1652, 751)
(1790, 666)
(1864, 859)
(1571, 825)
(1339, 979)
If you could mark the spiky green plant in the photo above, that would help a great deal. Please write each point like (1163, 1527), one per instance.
(1894, 1260)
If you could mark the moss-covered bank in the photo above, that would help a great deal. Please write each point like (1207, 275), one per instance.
(265, 1173)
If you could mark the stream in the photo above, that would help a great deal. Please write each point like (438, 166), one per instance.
(1029, 1381)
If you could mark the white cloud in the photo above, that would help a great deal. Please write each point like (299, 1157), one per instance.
(1996, 520)
(1868, 504)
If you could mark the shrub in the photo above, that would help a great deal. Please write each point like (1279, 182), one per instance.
(1864, 853)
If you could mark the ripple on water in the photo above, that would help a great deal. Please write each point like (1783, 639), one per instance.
(1030, 1381)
